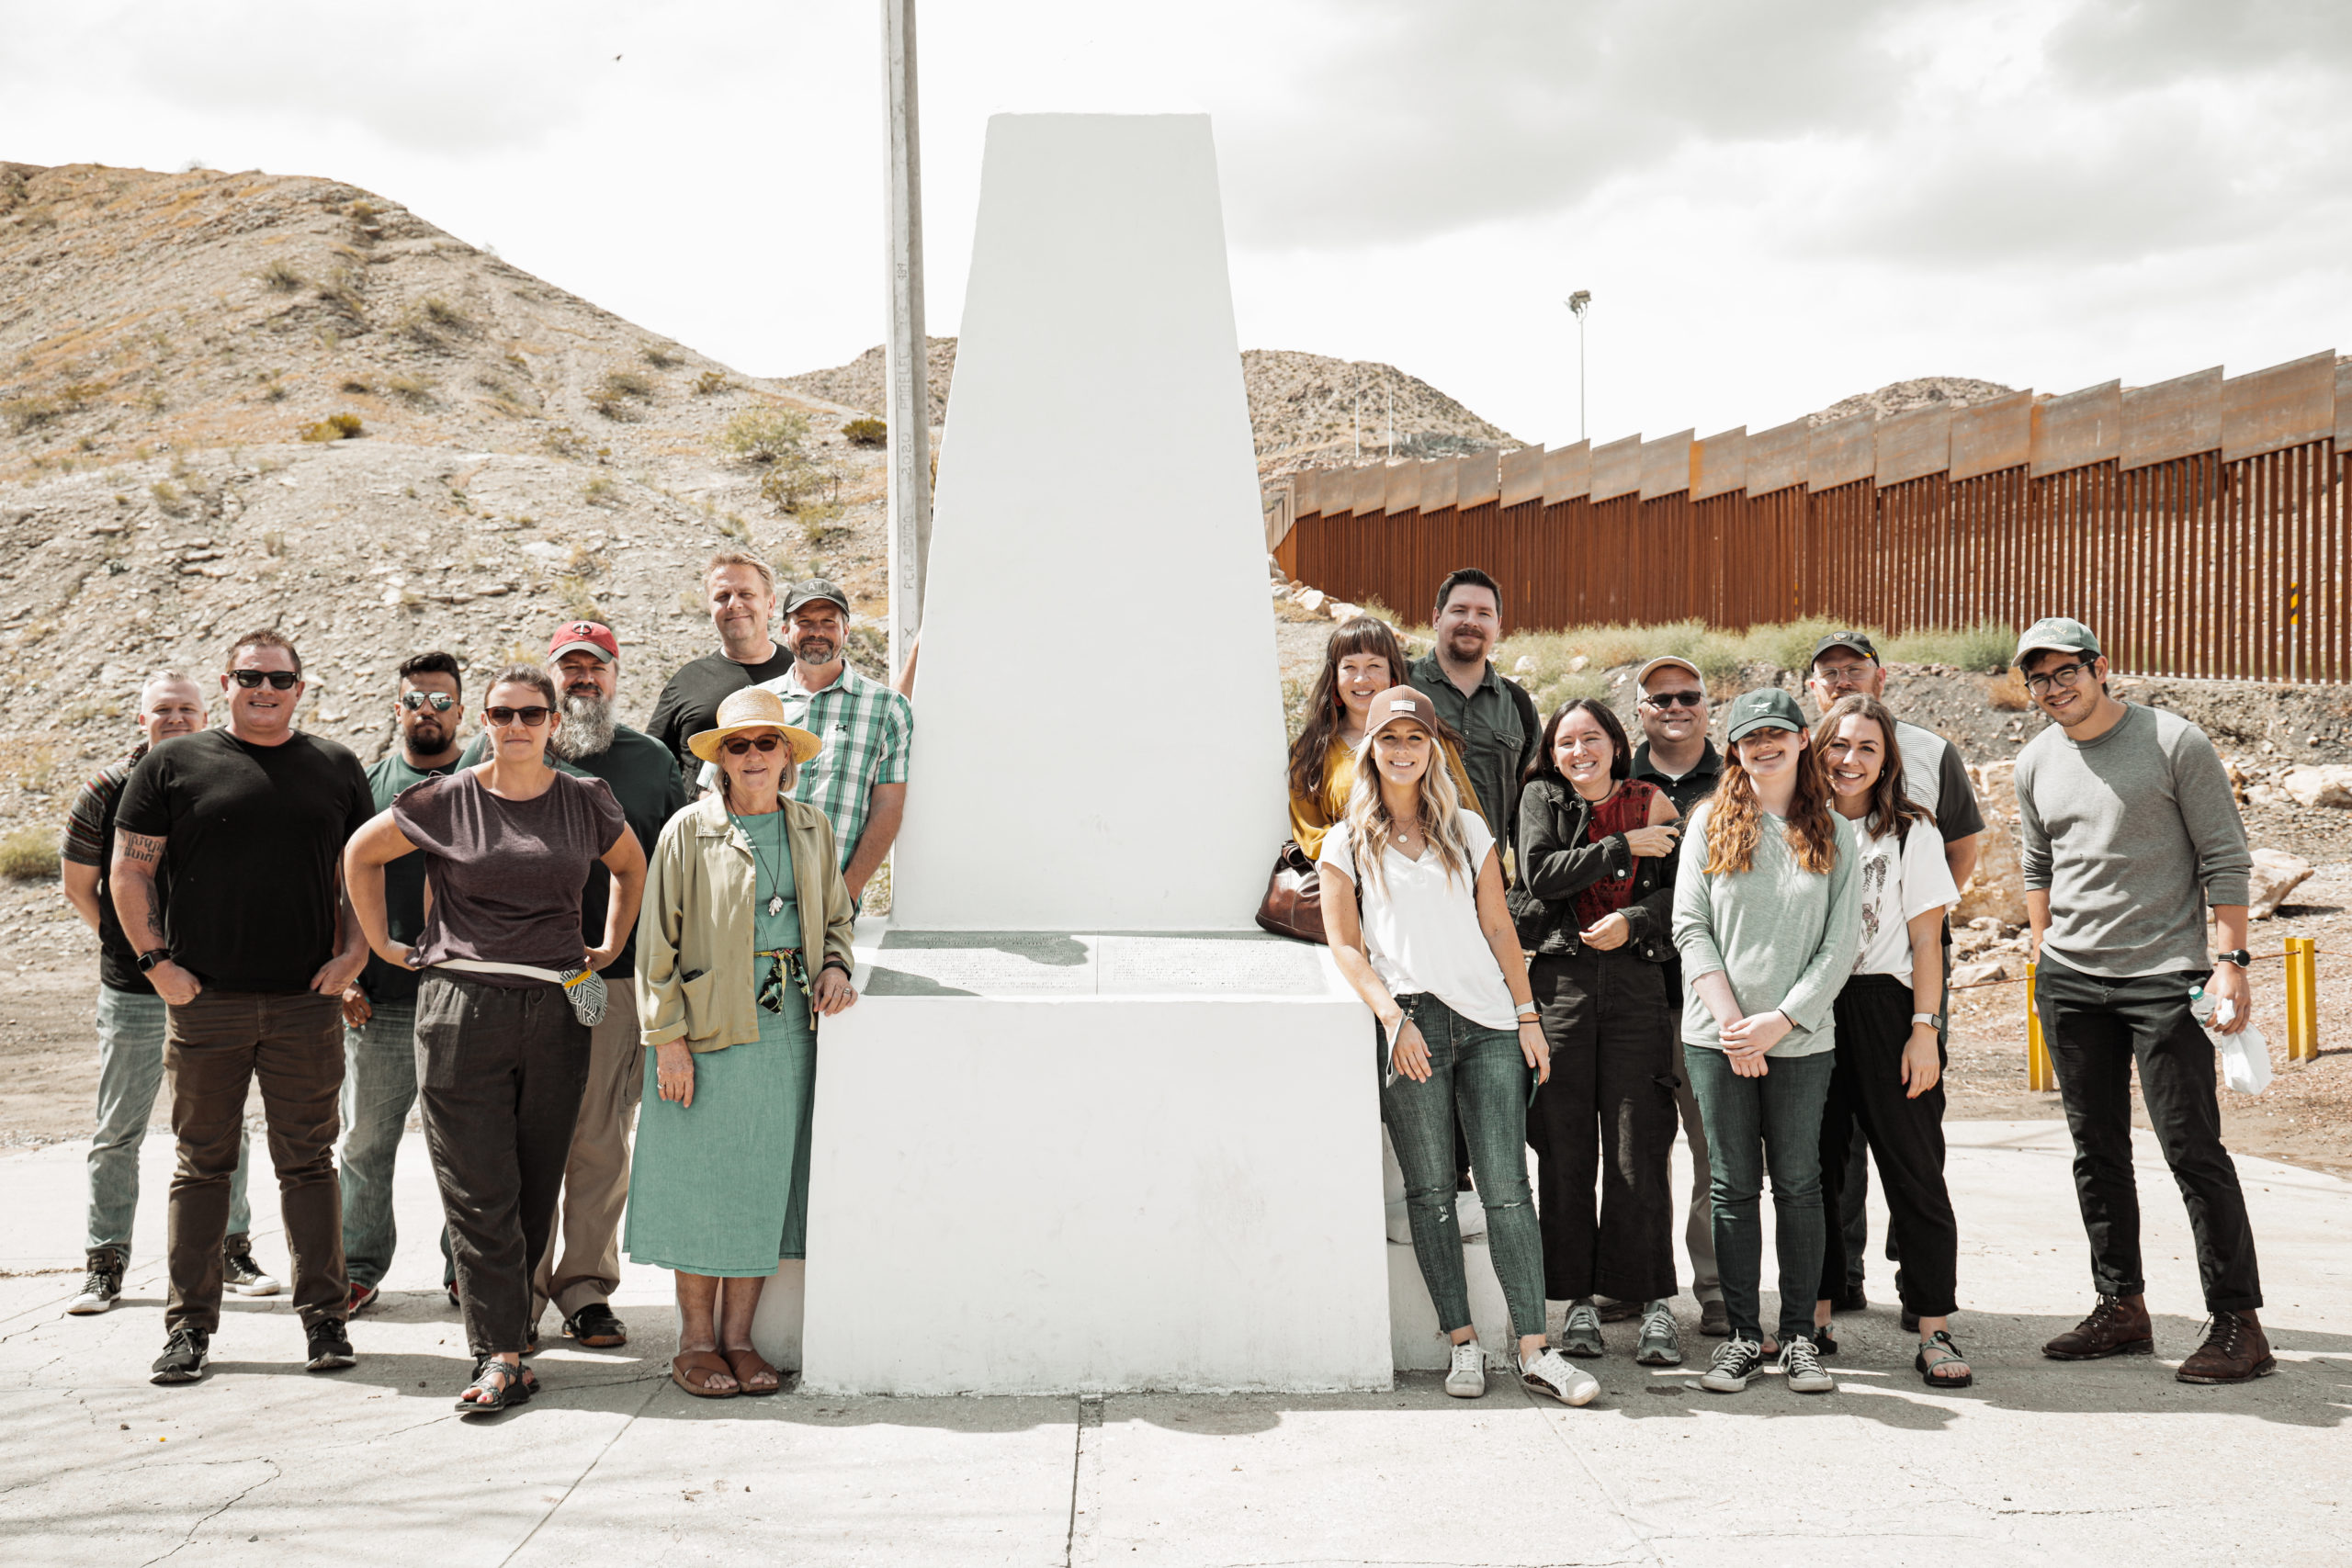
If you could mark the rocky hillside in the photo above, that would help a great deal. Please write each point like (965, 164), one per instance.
(235, 399)
(1908, 397)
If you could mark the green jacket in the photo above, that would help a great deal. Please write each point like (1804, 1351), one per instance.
(694, 930)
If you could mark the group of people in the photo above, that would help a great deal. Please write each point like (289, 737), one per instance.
(1572, 944)
(563, 931)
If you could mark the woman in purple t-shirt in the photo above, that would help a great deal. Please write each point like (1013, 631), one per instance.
(502, 1048)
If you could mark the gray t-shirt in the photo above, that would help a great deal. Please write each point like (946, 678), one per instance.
(1785, 936)
(505, 875)
(2132, 835)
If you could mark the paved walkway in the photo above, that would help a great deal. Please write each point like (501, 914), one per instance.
(2111, 1463)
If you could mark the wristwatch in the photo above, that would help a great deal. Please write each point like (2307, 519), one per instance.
(152, 956)
(2237, 956)
(1935, 1018)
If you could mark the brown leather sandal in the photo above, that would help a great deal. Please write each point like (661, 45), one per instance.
(748, 1364)
(693, 1369)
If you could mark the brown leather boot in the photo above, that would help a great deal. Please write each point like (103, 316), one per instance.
(2236, 1351)
(2112, 1329)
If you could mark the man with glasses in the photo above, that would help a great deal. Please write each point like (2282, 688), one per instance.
(581, 1267)
(380, 1009)
(1847, 665)
(1676, 755)
(2130, 833)
(130, 1022)
(247, 824)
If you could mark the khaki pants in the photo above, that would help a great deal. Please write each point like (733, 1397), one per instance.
(583, 1266)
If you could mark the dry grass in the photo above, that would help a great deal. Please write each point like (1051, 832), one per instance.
(28, 853)
(335, 427)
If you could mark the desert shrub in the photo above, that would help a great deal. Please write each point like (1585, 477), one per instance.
(579, 602)
(335, 427)
(1984, 649)
(616, 392)
(441, 313)
(819, 522)
(28, 853)
(2006, 692)
(662, 355)
(30, 413)
(710, 383)
(413, 391)
(356, 388)
(765, 436)
(602, 491)
(867, 432)
(280, 277)
(169, 497)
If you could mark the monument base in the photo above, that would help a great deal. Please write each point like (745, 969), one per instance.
(1048, 1164)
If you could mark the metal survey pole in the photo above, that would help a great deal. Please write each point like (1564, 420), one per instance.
(905, 357)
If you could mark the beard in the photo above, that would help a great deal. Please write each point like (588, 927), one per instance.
(587, 728)
(814, 649)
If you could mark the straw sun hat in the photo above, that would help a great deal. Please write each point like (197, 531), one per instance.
(754, 708)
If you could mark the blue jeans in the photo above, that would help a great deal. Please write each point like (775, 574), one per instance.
(131, 1070)
(1755, 1124)
(379, 1089)
(1478, 1076)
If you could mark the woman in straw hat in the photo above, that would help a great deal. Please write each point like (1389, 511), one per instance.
(503, 1011)
(743, 944)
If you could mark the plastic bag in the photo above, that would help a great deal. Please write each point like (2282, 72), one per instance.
(2246, 1055)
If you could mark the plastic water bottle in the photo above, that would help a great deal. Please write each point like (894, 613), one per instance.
(2246, 1055)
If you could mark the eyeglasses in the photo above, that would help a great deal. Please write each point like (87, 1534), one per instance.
(279, 680)
(440, 701)
(735, 746)
(2065, 676)
(1853, 673)
(532, 717)
(1663, 700)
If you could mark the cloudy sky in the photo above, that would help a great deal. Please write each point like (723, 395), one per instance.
(1773, 205)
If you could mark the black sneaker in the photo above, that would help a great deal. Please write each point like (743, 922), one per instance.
(240, 1273)
(101, 1286)
(184, 1358)
(330, 1346)
(595, 1327)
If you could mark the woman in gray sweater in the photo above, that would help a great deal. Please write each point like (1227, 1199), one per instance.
(1767, 919)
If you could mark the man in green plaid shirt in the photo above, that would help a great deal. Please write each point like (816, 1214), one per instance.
(859, 780)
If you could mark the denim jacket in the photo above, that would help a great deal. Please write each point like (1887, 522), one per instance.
(1557, 859)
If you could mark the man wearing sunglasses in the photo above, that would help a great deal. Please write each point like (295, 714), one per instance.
(247, 824)
(380, 1009)
(1676, 755)
(2132, 834)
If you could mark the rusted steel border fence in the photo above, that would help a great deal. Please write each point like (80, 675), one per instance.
(2200, 525)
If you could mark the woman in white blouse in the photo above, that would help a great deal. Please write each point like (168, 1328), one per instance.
(1413, 905)
(1889, 1073)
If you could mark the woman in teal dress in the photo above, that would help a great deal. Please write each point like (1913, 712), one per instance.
(743, 943)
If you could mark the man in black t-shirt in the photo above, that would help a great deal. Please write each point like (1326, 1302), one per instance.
(741, 590)
(247, 824)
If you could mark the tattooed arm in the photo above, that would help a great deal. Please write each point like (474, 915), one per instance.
(136, 856)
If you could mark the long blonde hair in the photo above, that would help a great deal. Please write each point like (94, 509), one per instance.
(1370, 828)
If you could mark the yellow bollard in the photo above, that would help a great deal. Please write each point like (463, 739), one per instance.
(2302, 999)
(2038, 1073)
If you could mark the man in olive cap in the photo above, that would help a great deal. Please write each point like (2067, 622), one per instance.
(2130, 833)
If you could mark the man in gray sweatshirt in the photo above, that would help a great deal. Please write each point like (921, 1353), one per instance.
(2130, 832)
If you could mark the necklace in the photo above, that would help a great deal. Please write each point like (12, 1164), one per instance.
(775, 882)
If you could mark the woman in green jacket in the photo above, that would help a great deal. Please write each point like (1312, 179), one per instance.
(742, 944)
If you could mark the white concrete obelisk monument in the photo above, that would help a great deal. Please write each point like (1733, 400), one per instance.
(1088, 1128)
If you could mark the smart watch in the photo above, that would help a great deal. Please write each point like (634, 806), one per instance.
(2237, 956)
(1936, 1018)
(152, 956)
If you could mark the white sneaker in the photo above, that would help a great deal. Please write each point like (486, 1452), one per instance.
(1554, 1376)
(1737, 1360)
(1470, 1214)
(1467, 1379)
(241, 1275)
(1800, 1364)
(101, 1286)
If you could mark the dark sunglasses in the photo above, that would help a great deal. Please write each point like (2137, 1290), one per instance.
(735, 746)
(440, 701)
(279, 680)
(532, 717)
(1675, 699)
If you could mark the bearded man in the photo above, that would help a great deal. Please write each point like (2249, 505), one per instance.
(1495, 717)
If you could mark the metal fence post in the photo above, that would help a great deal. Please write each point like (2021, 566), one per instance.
(2302, 999)
(2038, 1073)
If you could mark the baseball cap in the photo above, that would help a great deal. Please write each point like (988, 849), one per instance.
(596, 638)
(1853, 642)
(1402, 703)
(1641, 676)
(2056, 634)
(1767, 708)
(813, 590)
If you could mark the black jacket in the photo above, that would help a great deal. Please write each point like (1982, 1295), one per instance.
(1557, 859)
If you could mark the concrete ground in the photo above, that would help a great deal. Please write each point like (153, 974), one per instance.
(2112, 1462)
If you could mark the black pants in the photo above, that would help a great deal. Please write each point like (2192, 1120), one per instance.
(500, 1070)
(2095, 1029)
(1607, 1111)
(1907, 1136)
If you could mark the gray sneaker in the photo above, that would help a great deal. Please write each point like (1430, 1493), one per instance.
(1660, 1345)
(1800, 1364)
(240, 1273)
(102, 1286)
(1467, 1379)
(1581, 1335)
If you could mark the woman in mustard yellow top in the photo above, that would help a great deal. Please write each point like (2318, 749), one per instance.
(1362, 659)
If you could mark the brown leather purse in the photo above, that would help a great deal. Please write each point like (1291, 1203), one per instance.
(1294, 902)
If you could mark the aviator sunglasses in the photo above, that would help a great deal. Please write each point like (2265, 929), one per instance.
(441, 702)
(279, 680)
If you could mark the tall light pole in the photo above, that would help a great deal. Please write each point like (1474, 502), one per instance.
(906, 359)
(1578, 303)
